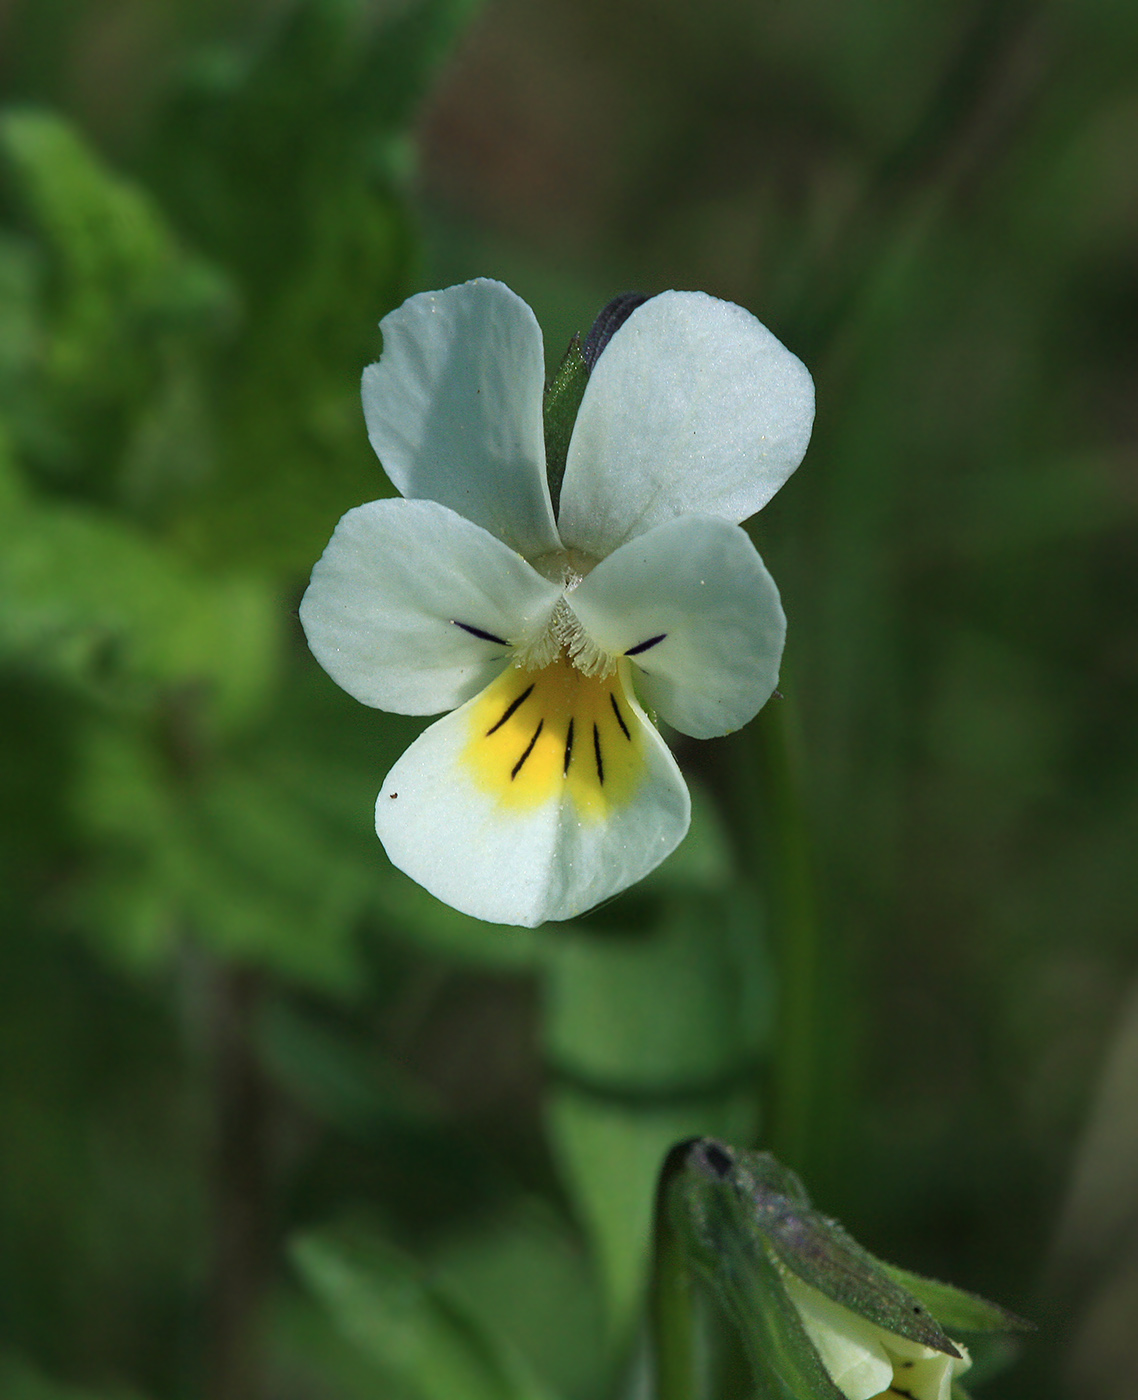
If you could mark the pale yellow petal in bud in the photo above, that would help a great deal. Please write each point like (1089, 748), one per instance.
(865, 1361)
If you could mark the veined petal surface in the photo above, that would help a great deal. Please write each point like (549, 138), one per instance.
(413, 608)
(540, 797)
(693, 607)
(694, 406)
(454, 409)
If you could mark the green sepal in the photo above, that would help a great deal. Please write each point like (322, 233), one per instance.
(714, 1235)
(772, 1213)
(563, 395)
(783, 1358)
(955, 1309)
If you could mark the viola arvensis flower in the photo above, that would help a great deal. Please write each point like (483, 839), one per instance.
(547, 788)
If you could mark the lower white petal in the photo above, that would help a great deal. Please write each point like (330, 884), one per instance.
(544, 795)
(692, 605)
(413, 608)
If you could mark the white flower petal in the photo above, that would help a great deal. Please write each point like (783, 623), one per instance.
(864, 1360)
(412, 608)
(694, 406)
(691, 603)
(454, 409)
(850, 1347)
(923, 1372)
(928, 1377)
(505, 812)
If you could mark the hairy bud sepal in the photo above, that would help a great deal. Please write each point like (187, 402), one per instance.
(819, 1316)
(563, 396)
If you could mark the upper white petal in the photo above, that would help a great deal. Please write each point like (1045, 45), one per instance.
(382, 611)
(522, 866)
(694, 406)
(700, 583)
(454, 409)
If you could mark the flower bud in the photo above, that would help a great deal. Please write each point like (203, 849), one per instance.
(820, 1317)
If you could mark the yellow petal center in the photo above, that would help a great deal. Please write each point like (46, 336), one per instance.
(537, 732)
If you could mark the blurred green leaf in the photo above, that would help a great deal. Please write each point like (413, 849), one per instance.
(122, 266)
(410, 1326)
(225, 859)
(339, 1079)
(20, 329)
(651, 1036)
(91, 599)
(675, 1007)
(123, 312)
(412, 914)
(525, 1273)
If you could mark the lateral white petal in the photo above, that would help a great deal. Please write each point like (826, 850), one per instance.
(531, 863)
(454, 409)
(694, 406)
(850, 1347)
(693, 606)
(394, 598)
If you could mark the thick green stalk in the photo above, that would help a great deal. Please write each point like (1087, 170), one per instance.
(791, 893)
(672, 1302)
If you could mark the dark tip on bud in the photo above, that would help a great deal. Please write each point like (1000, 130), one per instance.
(612, 317)
(718, 1161)
(716, 1157)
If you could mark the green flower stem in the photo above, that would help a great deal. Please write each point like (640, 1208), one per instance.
(672, 1302)
(790, 890)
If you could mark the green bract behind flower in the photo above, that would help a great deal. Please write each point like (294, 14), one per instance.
(547, 789)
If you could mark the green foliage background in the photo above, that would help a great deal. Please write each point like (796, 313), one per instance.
(273, 1122)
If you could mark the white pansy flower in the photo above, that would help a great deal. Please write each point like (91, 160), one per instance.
(865, 1361)
(547, 789)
